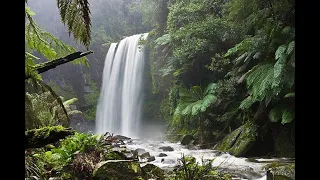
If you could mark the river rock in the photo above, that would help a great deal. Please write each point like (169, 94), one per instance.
(166, 148)
(121, 137)
(117, 169)
(281, 171)
(187, 139)
(240, 140)
(145, 155)
(162, 155)
(129, 155)
(140, 151)
(151, 171)
(151, 158)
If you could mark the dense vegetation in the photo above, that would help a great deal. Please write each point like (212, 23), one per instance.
(244, 48)
(222, 71)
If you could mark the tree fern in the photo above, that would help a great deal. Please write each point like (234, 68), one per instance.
(282, 113)
(46, 44)
(163, 40)
(76, 15)
(259, 80)
(288, 115)
(195, 101)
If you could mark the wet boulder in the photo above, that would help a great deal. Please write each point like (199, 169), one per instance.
(140, 151)
(240, 140)
(162, 155)
(166, 148)
(145, 155)
(281, 171)
(117, 169)
(151, 158)
(187, 139)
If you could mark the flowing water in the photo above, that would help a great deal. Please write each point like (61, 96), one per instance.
(241, 167)
(119, 106)
(119, 110)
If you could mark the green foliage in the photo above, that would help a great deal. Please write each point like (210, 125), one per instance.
(189, 169)
(67, 104)
(282, 113)
(163, 40)
(43, 106)
(227, 42)
(44, 43)
(195, 101)
(62, 155)
(76, 15)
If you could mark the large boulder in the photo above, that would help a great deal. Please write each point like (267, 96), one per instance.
(145, 155)
(166, 148)
(117, 170)
(240, 140)
(140, 151)
(151, 171)
(187, 139)
(281, 171)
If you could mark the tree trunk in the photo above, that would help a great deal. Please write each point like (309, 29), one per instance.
(43, 67)
(201, 130)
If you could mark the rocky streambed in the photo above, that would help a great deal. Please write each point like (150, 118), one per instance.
(166, 155)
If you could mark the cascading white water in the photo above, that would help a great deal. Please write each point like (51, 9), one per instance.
(119, 106)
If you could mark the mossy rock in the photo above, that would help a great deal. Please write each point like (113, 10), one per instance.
(117, 170)
(240, 140)
(282, 171)
(151, 171)
(187, 139)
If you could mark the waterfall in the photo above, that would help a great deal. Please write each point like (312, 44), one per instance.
(119, 106)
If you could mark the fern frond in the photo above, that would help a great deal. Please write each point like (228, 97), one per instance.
(29, 66)
(290, 47)
(196, 90)
(280, 51)
(275, 114)
(247, 102)
(72, 112)
(47, 44)
(260, 80)
(289, 95)
(288, 115)
(163, 40)
(210, 89)
(76, 15)
(207, 101)
(70, 101)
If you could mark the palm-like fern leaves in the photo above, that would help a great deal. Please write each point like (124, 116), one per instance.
(67, 104)
(44, 43)
(196, 100)
(76, 15)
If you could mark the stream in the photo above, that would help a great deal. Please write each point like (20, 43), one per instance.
(239, 167)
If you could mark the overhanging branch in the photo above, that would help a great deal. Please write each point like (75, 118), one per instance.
(43, 67)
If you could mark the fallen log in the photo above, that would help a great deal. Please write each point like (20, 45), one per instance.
(43, 67)
(37, 138)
